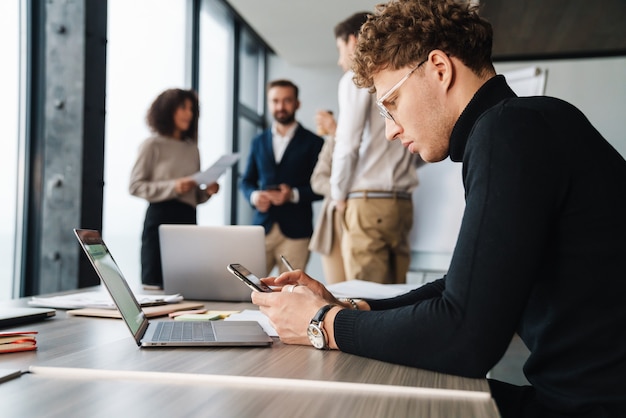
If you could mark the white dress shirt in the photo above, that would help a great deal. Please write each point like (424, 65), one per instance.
(280, 142)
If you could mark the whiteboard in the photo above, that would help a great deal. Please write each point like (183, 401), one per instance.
(529, 81)
(439, 201)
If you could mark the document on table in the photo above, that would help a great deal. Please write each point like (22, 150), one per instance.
(368, 290)
(254, 315)
(97, 299)
(214, 172)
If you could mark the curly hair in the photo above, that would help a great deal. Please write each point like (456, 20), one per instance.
(403, 32)
(160, 117)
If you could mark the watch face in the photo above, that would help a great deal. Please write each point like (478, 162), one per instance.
(316, 336)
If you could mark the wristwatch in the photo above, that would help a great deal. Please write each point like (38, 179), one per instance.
(315, 331)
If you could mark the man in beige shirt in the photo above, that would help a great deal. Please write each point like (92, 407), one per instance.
(372, 180)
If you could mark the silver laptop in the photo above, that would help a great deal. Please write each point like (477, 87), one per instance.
(163, 333)
(10, 317)
(194, 260)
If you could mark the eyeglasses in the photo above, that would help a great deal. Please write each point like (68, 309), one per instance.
(384, 112)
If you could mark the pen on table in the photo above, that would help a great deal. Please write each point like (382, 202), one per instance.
(286, 263)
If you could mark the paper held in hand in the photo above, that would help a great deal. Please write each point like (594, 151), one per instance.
(213, 173)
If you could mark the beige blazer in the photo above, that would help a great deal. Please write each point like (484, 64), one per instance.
(322, 238)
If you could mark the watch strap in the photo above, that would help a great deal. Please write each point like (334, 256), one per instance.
(319, 316)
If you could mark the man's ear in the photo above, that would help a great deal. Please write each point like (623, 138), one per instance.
(443, 68)
(351, 43)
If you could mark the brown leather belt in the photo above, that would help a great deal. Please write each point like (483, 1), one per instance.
(365, 194)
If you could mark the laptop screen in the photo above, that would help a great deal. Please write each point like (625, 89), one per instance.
(110, 274)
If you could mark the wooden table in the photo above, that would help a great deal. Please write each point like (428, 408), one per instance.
(91, 367)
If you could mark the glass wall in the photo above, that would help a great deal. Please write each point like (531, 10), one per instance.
(217, 40)
(251, 106)
(247, 131)
(150, 48)
(251, 80)
(145, 55)
(9, 109)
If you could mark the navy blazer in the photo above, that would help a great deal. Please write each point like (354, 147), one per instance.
(295, 169)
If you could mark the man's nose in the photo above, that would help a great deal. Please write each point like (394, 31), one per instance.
(392, 129)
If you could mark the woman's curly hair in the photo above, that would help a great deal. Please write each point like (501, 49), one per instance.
(160, 117)
(403, 32)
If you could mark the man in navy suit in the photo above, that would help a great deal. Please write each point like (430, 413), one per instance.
(277, 179)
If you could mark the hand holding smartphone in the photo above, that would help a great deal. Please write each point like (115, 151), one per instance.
(248, 278)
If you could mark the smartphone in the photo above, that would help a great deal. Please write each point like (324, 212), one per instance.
(272, 187)
(248, 278)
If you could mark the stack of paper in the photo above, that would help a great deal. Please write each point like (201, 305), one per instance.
(11, 342)
(97, 299)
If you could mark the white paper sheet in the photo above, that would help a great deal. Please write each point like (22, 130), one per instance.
(96, 299)
(214, 172)
(254, 315)
(361, 289)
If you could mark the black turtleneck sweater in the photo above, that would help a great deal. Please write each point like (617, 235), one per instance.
(541, 252)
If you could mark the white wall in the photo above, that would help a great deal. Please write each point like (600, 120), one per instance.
(595, 86)
(318, 87)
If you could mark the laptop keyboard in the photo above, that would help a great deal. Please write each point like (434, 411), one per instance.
(184, 331)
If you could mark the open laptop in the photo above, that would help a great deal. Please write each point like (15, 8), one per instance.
(194, 259)
(163, 333)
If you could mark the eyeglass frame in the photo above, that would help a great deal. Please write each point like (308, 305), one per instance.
(384, 112)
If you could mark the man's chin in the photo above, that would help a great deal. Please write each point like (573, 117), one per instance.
(287, 120)
(431, 158)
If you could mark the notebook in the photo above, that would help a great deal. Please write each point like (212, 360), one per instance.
(15, 316)
(194, 260)
(162, 333)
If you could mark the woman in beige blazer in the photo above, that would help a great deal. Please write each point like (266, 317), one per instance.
(326, 238)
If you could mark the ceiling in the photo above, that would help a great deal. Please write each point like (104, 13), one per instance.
(538, 28)
(301, 31)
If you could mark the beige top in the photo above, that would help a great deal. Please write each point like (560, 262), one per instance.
(160, 162)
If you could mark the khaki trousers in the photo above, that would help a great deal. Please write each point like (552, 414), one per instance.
(296, 251)
(375, 242)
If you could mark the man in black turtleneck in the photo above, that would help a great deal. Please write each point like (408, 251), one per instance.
(542, 247)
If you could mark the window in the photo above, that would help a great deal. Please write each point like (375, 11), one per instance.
(151, 46)
(215, 136)
(9, 109)
(247, 131)
(251, 79)
(146, 55)
(251, 106)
